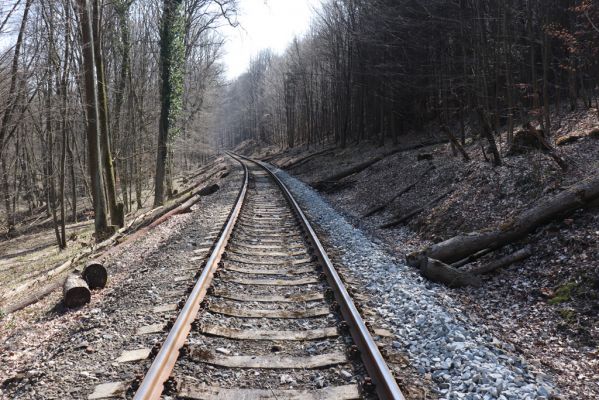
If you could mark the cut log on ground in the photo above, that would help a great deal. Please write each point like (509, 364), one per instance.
(75, 291)
(440, 272)
(406, 189)
(510, 259)
(95, 275)
(573, 198)
(416, 211)
(135, 229)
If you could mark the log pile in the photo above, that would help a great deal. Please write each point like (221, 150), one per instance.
(45, 283)
(77, 287)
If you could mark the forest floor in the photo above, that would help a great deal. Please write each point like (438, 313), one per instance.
(33, 252)
(545, 308)
(48, 351)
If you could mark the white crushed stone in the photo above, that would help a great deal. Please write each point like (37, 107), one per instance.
(465, 361)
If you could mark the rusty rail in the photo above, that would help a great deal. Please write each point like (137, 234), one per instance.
(164, 362)
(386, 386)
(153, 383)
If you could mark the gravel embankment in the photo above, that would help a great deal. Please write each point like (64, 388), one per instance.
(464, 360)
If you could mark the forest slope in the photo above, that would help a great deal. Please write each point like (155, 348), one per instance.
(546, 306)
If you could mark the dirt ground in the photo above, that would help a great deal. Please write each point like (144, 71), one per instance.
(547, 306)
(50, 352)
(26, 258)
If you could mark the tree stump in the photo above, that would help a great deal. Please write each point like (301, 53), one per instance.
(75, 291)
(95, 275)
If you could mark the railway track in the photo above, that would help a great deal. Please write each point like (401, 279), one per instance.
(268, 317)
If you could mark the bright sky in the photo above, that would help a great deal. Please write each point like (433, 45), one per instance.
(265, 24)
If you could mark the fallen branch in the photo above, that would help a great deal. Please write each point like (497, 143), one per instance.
(301, 160)
(577, 196)
(456, 143)
(367, 164)
(471, 258)
(406, 189)
(416, 211)
(519, 255)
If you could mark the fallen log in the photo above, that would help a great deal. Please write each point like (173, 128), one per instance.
(301, 160)
(95, 275)
(406, 189)
(136, 228)
(161, 214)
(331, 187)
(519, 255)
(366, 164)
(223, 173)
(416, 211)
(439, 272)
(75, 291)
(577, 196)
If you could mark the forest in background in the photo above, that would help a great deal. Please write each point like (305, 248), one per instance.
(91, 89)
(376, 70)
(108, 101)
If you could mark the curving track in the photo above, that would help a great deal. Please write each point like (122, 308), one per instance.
(268, 317)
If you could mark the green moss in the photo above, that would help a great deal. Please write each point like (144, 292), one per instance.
(568, 315)
(563, 293)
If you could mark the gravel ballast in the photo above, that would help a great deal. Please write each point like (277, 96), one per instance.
(464, 359)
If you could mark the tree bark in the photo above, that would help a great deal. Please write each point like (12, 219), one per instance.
(455, 142)
(116, 217)
(440, 272)
(488, 133)
(93, 131)
(519, 255)
(459, 247)
(75, 291)
(168, 37)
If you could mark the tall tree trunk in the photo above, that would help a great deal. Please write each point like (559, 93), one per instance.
(93, 128)
(116, 217)
(169, 36)
(508, 72)
(73, 181)
(546, 55)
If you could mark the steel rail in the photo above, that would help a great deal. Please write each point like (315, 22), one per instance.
(152, 385)
(386, 386)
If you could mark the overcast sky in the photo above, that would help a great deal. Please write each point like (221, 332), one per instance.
(265, 24)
